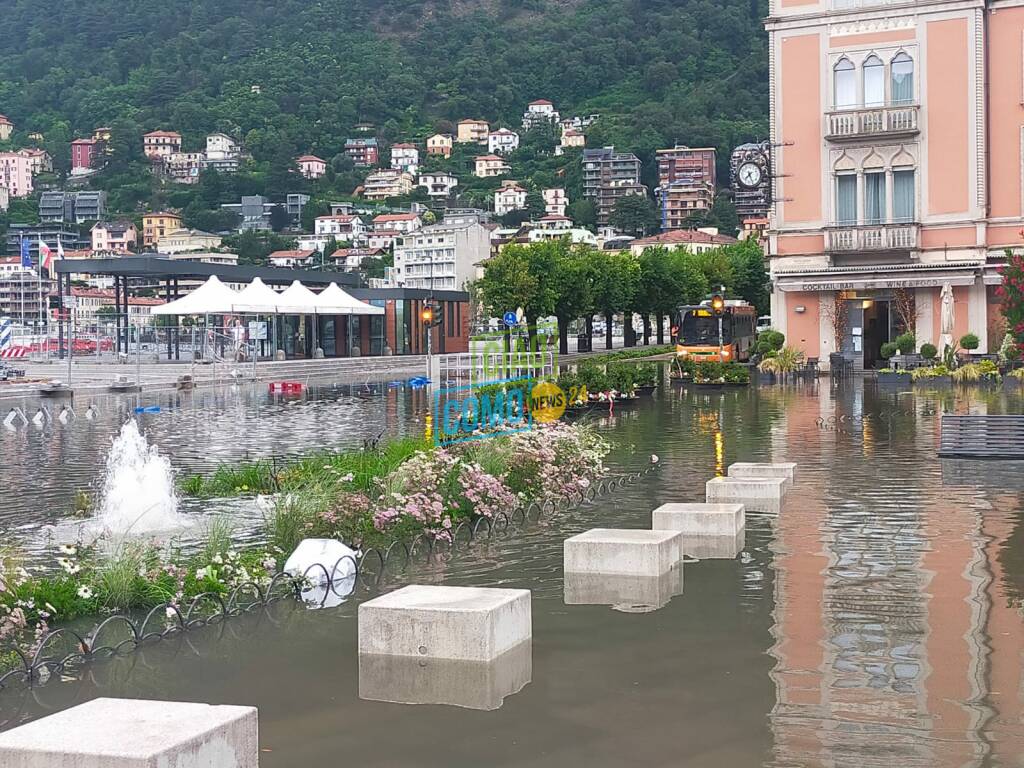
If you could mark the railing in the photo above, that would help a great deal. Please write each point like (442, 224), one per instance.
(481, 367)
(872, 237)
(871, 121)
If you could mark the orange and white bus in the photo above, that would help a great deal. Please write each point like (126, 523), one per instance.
(699, 335)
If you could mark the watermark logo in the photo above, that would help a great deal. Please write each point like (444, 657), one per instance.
(475, 412)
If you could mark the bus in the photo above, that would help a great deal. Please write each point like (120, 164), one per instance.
(696, 332)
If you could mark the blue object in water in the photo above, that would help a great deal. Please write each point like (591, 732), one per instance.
(396, 383)
(148, 409)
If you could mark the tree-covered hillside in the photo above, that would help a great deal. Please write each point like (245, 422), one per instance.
(659, 71)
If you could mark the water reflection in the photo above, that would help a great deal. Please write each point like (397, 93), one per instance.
(625, 593)
(714, 547)
(468, 684)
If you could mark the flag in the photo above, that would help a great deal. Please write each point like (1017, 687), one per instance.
(26, 254)
(45, 257)
(60, 249)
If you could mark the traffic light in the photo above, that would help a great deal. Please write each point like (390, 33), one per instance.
(431, 314)
(717, 304)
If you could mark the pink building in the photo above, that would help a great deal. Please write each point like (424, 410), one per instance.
(897, 155)
(311, 166)
(83, 154)
(16, 173)
(116, 236)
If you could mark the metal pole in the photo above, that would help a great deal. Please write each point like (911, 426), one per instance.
(71, 337)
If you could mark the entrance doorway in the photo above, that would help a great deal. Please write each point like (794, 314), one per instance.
(876, 331)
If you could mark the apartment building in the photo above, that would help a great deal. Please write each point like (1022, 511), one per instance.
(160, 144)
(439, 184)
(442, 256)
(686, 184)
(363, 152)
(897, 154)
(609, 175)
(473, 132)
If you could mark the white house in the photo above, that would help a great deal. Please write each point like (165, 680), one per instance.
(439, 184)
(220, 146)
(405, 157)
(502, 142)
(488, 166)
(290, 258)
(311, 166)
(510, 197)
(347, 228)
(400, 222)
(538, 113)
(441, 256)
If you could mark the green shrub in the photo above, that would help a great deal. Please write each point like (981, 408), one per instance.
(709, 371)
(736, 374)
(888, 349)
(928, 351)
(934, 371)
(970, 342)
(622, 377)
(646, 375)
(684, 367)
(905, 343)
(769, 341)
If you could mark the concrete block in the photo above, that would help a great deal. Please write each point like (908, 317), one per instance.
(135, 733)
(714, 547)
(618, 551)
(479, 685)
(462, 623)
(627, 593)
(745, 470)
(762, 494)
(699, 519)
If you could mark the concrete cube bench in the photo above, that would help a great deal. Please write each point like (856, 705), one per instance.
(462, 623)
(619, 551)
(701, 519)
(746, 470)
(761, 494)
(714, 547)
(136, 733)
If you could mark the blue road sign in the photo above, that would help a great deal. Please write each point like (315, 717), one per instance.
(510, 319)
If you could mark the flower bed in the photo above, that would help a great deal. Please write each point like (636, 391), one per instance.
(364, 498)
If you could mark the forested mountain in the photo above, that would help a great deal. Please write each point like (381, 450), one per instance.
(658, 71)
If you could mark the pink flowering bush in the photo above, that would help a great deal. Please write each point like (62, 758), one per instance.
(553, 460)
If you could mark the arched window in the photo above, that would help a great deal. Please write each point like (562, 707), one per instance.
(845, 77)
(902, 79)
(874, 82)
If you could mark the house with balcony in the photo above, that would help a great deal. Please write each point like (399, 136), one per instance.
(289, 259)
(114, 236)
(157, 225)
(387, 182)
(311, 166)
(609, 175)
(896, 172)
(509, 197)
(439, 185)
(555, 201)
(187, 241)
(473, 132)
(400, 222)
(441, 256)
(156, 145)
(351, 259)
(572, 138)
(405, 157)
(363, 151)
(16, 174)
(223, 153)
(488, 166)
(540, 113)
(39, 160)
(440, 144)
(184, 167)
(502, 142)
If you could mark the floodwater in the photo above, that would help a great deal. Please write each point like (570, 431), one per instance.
(875, 620)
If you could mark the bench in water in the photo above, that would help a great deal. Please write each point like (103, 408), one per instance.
(982, 437)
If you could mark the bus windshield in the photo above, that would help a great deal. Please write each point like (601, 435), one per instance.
(700, 328)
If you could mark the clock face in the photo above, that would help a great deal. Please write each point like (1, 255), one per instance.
(749, 174)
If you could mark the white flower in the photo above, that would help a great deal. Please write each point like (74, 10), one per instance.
(84, 592)
(347, 478)
(217, 559)
(232, 555)
(201, 573)
(67, 549)
(654, 458)
(171, 613)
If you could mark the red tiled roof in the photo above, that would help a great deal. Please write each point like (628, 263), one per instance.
(470, 120)
(4, 120)
(490, 157)
(538, 102)
(403, 146)
(554, 217)
(163, 134)
(682, 236)
(291, 254)
(310, 159)
(385, 217)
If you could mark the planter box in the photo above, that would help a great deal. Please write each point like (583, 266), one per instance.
(895, 379)
(765, 378)
(647, 390)
(1011, 384)
(935, 381)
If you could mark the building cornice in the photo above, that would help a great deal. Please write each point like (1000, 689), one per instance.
(874, 13)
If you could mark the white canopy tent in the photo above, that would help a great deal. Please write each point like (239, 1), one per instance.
(257, 298)
(210, 298)
(296, 299)
(335, 301)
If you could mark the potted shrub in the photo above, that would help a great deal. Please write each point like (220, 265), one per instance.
(710, 373)
(905, 344)
(936, 375)
(929, 352)
(969, 342)
(768, 342)
(888, 350)
(982, 372)
(646, 378)
(683, 369)
(736, 375)
(622, 378)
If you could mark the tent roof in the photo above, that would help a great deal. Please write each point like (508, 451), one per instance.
(335, 301)
(210, 298)
(296, 299)
(257, 298)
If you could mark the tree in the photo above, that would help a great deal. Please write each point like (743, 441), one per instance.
(376, 266)
(634, 215)
(573, 282)
(521, 277)
(279, 218)
(616, 284)
(583, 212)
(749, 276)
(535, 205)
(1011, 296)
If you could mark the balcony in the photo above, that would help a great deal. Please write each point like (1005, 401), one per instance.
(842, 238)
(872, 122)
